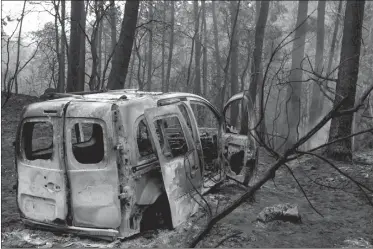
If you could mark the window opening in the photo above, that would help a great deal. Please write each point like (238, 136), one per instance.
(143, 141)
(208, 125)
(171, 137)
(38, 140)
(87, 142)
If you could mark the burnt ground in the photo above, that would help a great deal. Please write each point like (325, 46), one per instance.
(347, 216)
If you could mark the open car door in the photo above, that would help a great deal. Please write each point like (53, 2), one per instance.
(240, 151)
(178, 159)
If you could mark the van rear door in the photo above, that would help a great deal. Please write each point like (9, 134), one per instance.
(91, 165)
(41, 191)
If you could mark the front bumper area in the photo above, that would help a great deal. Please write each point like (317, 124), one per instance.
(107, 234)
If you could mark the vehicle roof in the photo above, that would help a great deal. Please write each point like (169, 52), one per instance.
(127, 94)
(123, 96)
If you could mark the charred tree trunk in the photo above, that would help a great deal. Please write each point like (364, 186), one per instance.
(123, 50)
(61, 86)
(332, 49)
(246, 67)
(145, 54)
(257, 10)
(150, 48)
(82, 49)
(93, 82)
(217, 55)
(204, 51)
(226, 67)
(334, 39)
(73, 80)
(294, 88)
(99, 45)
(197, 80)
(234, 63)
(57, 34)
(113, 22)
(256, 67)
(18, 50)
(317, 98)
(163, 47)
(139, 81)
(347, 79)
(132, 70)
(167, 87)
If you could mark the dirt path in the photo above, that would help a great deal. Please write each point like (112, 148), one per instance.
(347, 221)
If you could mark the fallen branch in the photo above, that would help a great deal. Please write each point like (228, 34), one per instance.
(342, 138)
(337, 169)
(358, 184)
(227, 238)
(238, 182)
(304, 192)
(249, 193)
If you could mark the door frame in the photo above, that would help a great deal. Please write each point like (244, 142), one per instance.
(221, 175)
(242, 143)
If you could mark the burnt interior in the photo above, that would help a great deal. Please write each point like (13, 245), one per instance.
(208, 125)
(157, 215)
(236, 162)
(210, 147)
(143, 141)
(170, 137)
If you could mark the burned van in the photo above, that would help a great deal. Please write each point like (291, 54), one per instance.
(108, 164)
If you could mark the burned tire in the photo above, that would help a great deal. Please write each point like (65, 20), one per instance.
(158, 215)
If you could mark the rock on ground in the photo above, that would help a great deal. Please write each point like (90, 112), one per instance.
(285, 212)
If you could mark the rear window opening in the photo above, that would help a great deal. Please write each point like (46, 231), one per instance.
(37, 140)
(87, 141)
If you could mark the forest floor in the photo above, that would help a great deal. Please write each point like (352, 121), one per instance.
(347, 216)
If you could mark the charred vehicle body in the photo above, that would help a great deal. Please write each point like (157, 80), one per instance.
(102, 164)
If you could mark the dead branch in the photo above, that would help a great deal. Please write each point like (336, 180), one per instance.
(15, 75)
(151, 21)
(359, 103)
(240, 184)
(279, 47)
(337, 169)
(302, 189)
(249, 193)
(318, 75)
(107, 66)
(327, 186)
(227, 238)
(340, 139)
(358, 184)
